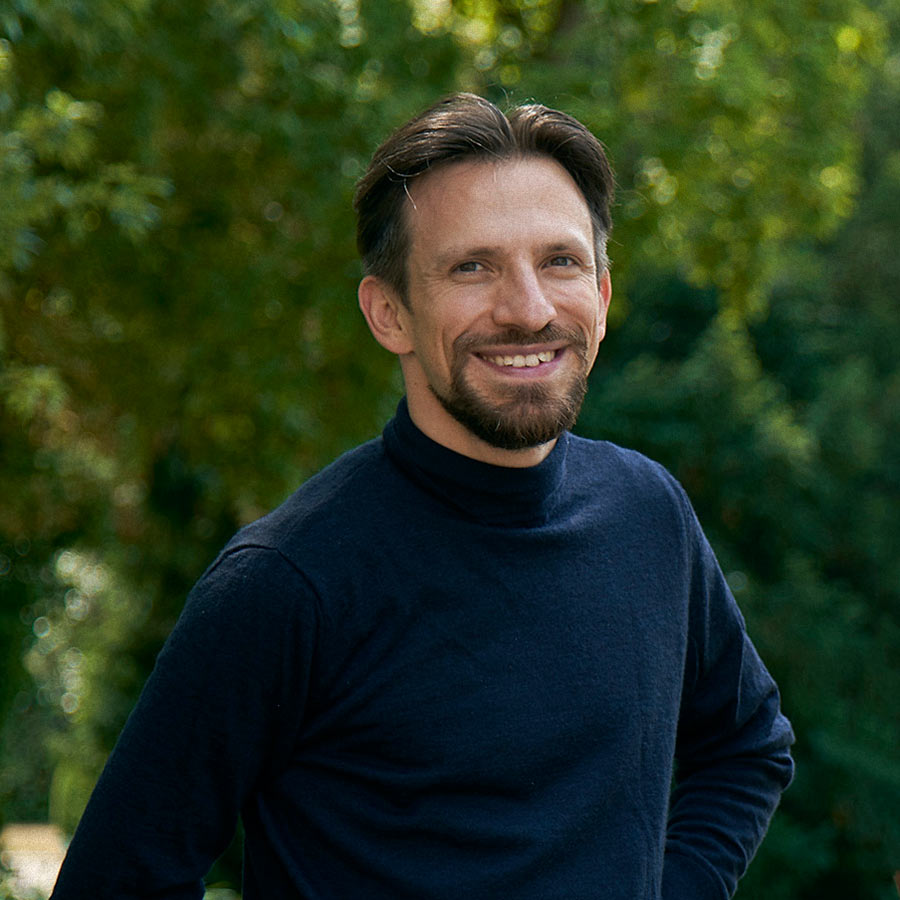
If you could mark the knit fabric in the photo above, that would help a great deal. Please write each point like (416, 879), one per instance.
(427, 677)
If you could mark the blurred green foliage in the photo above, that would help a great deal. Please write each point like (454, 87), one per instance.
(179, 344)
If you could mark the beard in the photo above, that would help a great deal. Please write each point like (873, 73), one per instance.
(517, 416)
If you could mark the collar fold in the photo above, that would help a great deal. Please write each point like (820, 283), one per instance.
(492, 495)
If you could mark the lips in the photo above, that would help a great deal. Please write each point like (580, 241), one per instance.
(521, 351)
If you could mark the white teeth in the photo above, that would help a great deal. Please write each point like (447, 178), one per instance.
(520, 362)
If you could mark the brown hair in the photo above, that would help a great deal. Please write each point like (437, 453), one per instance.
(465, 126)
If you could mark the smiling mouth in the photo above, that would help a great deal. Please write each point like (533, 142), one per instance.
(521, 361)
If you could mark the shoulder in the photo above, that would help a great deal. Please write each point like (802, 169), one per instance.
(624, 474)
(330, 509)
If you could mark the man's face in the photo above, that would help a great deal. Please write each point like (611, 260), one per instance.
(505, 307)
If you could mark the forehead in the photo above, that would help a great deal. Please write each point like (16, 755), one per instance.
(531, 199)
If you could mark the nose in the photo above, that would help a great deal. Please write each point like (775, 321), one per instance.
(522, 301)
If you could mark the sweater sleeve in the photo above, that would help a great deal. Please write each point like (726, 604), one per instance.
(732, 751)
(218, 714)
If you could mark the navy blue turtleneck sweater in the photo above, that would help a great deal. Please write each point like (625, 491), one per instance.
(426, 677)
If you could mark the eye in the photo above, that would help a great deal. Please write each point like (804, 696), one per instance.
(562, 260)
(469, 266)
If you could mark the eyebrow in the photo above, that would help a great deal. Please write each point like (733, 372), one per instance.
(487, 250)
(455, 253)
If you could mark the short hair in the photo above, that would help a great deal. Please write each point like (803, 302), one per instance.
(466, 127)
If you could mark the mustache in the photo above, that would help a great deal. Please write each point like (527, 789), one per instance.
(550, 333)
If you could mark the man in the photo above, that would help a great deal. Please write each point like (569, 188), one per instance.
(471, 657)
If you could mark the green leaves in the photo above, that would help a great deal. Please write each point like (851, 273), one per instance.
(49, 171)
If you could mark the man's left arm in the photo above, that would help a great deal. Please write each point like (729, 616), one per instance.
(732, 752)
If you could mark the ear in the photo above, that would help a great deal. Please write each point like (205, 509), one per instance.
(385, 314)
(605, 292)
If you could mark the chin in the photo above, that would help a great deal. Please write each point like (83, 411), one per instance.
(533, 416)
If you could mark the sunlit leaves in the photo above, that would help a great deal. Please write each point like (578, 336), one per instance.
(32, 391)
(49, 168)
(729, 101)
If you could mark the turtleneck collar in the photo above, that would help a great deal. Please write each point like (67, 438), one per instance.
(493, 495)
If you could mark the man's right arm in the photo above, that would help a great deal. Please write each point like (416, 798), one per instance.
(219, 712)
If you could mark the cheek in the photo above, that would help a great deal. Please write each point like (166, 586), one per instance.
(434, 344)
(590, 314)
(594, 324)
